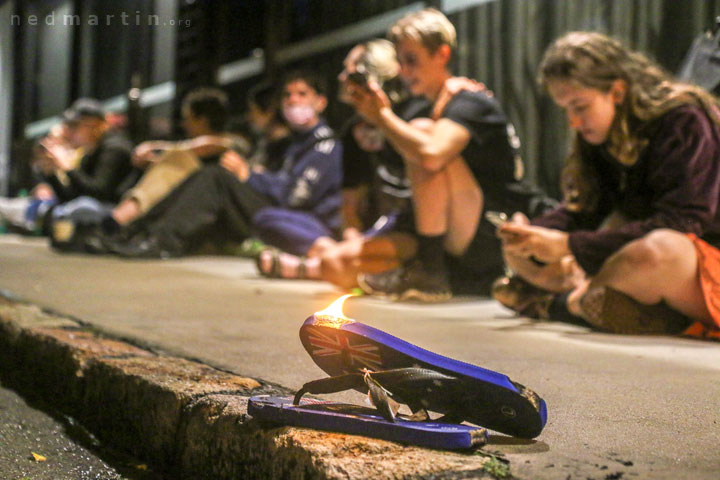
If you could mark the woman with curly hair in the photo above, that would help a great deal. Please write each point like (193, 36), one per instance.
(631, 247)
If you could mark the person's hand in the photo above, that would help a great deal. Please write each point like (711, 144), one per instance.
(526, 241)
(520, 218)
(517, 218)
(43, 163)
(43, 191)
(368, 101)
(145, 154)
(351, 233)
(236, 164)
(320, 246)
(452, 87)
(56, 156)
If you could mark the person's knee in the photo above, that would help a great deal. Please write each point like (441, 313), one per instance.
(653, 251)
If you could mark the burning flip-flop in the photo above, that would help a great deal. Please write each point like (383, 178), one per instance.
(393, 371)
(357, 420)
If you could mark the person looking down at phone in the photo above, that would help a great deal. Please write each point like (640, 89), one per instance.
(105, 163)
(641, 187)
(85, 157)
(25, 214)
(460, 162)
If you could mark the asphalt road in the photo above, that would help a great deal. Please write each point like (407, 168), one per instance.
(37, 446)
(618, 406)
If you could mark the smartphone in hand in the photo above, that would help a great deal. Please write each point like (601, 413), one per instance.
(499, 219)
(496, 218)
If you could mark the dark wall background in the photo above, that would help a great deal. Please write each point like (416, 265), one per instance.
(500, 43)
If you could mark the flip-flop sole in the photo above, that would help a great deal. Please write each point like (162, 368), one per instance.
(357, 420)
(484, 397)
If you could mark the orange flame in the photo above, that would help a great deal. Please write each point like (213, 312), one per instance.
(333, 315)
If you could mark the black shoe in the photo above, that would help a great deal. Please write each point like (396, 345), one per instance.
(411, 281)
(95, 241)
(148, 247)
(68, 236)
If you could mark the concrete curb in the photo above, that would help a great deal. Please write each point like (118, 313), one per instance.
(187, 418)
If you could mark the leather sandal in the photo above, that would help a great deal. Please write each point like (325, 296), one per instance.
(270, 262)
(527, 300)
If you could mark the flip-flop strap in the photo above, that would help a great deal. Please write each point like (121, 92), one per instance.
(361, 381)
(274, 270)
(301, 269)
(335, 384)
(409, 384)
(380, 385)
(275, 267)
(379, 397)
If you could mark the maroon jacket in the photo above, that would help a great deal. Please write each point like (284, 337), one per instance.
(674, 184)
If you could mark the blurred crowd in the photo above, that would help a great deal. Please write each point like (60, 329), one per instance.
(420, 194)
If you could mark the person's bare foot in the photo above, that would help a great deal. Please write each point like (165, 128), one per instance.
(274, 264)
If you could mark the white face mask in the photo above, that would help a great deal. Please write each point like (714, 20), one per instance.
(298, 116)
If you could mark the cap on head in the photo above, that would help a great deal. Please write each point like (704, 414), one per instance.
(83, 108)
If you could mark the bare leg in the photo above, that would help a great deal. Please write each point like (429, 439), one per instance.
(341, 265)
(446, 202)
(660, 266)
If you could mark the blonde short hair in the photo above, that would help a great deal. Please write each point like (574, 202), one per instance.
(428, 26)
(380, 60)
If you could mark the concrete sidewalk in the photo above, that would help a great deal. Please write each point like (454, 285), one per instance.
(644, 407)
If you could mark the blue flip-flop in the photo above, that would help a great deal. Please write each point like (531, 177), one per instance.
(468, 393)
(357, 420)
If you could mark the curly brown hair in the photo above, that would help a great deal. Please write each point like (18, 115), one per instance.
(594, 60)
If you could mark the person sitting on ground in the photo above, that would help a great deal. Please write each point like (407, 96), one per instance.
(228, 199)
(105, 164)
(24, 214)
(461, 163)
(376, 192)
(204, 115)
(102, 173)
(631, 248)
(270, 131)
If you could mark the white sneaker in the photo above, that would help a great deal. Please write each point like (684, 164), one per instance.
(13, 210)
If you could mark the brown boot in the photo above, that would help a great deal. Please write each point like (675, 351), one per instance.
(518, 295)
(612, 311)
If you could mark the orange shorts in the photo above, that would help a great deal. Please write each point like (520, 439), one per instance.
(709, 272)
